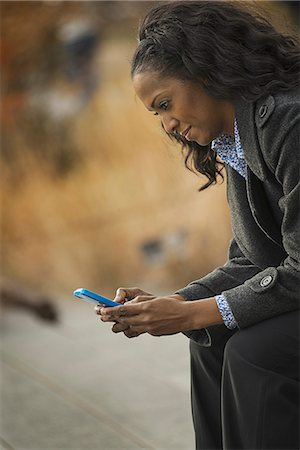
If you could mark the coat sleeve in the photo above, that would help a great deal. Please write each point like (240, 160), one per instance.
(233, 273)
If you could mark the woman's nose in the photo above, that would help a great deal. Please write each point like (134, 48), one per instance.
(170, 124)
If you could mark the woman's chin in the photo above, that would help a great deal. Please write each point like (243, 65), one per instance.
(198, 138)
(202, 141)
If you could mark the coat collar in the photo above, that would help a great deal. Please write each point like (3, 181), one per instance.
(250, 116)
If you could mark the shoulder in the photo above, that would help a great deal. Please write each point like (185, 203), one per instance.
(282, 108)
(277, 120)
(269, 129)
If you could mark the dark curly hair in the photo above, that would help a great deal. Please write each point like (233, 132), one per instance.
(238, 53)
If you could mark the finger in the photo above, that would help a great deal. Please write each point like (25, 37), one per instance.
(97, 309)
(118, 327)
(118, 313)
(138, 299)
(131, 314)
(121, 295)
(142, 298)
(127, 294)
(130, 333)
(134, 332)
(137, 321)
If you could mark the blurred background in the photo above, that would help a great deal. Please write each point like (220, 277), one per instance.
(93, 195)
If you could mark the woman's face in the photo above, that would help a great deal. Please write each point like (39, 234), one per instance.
(184, 107)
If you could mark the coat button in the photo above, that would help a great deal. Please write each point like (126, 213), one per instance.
(262, 111)
(266, 281)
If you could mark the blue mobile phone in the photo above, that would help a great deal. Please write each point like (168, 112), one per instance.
(92, 297)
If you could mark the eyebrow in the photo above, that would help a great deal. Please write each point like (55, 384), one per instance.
(153, 101)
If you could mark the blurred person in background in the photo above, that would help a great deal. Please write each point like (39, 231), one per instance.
(225, 85)
(14, 295)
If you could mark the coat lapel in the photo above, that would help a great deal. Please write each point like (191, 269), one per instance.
(247, 116)
(246, 112)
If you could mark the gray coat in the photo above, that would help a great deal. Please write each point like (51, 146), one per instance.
(261, 278)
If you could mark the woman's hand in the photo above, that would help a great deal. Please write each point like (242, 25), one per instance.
(148, 314)
(122, 296)
(161, 315)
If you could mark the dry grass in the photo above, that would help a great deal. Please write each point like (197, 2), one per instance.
(86, 228)
(129, 186)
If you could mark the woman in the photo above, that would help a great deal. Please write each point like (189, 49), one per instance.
(226, 85)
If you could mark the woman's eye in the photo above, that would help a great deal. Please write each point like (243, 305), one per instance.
(164, 105)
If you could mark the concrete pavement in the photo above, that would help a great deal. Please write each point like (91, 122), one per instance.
(77, 386)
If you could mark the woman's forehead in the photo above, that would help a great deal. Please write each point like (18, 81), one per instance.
(146, 81)
(149, 84)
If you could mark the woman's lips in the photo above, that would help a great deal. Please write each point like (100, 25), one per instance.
(187, 132)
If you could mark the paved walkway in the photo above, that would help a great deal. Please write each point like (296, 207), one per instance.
(77, 386)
